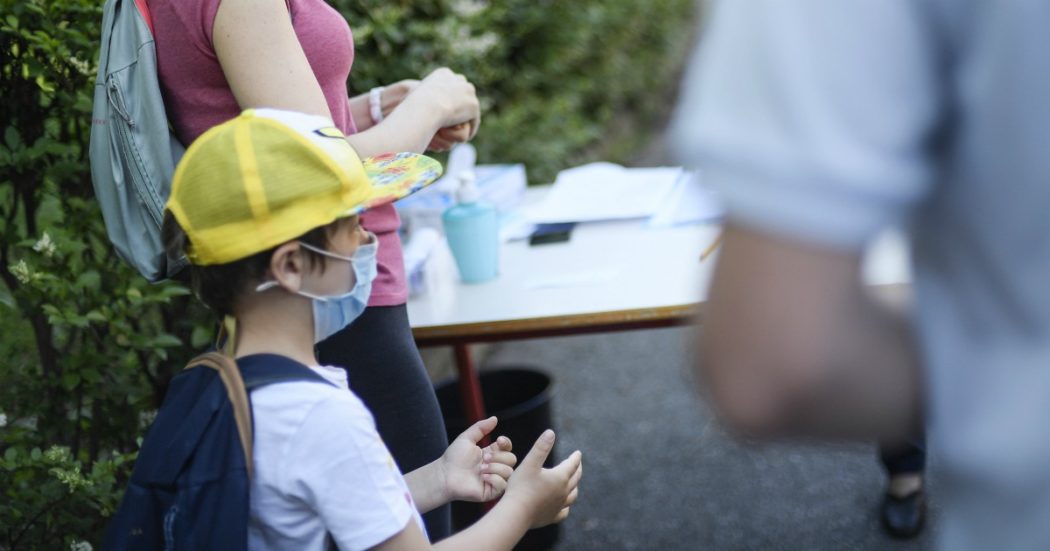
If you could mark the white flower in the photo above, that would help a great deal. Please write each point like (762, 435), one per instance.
(146, 417)
(452, 31)
(82, 67)
(80, 546)
(21, 272)
(477, 45)
(3, 420)
(45, 245)
(468, 8)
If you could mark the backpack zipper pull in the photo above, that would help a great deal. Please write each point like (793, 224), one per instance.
(117, 101)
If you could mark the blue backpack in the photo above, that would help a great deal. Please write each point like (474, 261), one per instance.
(189, 487)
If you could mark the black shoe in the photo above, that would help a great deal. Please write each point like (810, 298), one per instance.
(903, 517)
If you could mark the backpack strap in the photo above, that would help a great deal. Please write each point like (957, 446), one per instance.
(263, 369)
(143, 8)
(255, 371)
(237, 394)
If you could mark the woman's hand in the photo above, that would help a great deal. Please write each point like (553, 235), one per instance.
(434, 113)
(450, 136)
(545, 495)
(472, 473)
(394, 94)
(455, 98)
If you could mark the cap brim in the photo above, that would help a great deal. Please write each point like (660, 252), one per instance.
(395, 176)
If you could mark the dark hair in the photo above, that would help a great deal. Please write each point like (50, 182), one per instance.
(219, 285)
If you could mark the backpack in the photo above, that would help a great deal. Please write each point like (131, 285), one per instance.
(132, 150)
(189, 487)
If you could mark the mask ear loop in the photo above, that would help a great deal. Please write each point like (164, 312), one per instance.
(272, 284)
(226, 340)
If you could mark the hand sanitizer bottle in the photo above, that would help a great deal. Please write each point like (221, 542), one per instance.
(472, 229)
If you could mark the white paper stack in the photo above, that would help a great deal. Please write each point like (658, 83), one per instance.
(606, 191)
(688, 203)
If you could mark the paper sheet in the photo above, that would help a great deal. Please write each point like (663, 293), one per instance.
(688, 203)
(606, 191)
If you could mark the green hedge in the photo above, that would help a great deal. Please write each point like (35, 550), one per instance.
(89, 347)
(562, 82)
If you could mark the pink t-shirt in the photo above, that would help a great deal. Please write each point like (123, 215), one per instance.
(197, 96)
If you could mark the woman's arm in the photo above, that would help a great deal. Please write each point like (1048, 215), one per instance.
(390, 98)
(266, 67)
(442, 99)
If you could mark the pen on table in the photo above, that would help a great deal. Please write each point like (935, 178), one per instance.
(711, 248)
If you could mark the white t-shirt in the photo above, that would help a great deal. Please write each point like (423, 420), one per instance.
(320, 467)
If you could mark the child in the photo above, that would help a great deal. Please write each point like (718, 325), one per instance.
(266, 209)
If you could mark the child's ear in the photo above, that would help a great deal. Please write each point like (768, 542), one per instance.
(286, 266)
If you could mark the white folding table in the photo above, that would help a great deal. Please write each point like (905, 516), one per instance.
(610, 276)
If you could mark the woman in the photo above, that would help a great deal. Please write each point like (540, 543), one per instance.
(218, 57)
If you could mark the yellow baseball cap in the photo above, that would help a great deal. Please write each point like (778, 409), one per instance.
(269, 176)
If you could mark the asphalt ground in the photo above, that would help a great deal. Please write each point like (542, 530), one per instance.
(660, 474)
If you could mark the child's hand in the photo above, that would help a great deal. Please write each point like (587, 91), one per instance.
(545, 494)
(471, 473)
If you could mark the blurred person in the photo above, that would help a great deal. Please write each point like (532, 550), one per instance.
(218, 57)
(903, 508)
(824, 122)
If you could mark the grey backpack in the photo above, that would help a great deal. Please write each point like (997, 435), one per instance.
(133, 152)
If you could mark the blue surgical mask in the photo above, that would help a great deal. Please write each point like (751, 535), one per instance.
(333, 313)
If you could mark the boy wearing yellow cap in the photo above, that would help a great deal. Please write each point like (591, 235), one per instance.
(265, 208)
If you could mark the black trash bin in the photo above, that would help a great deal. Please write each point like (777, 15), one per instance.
(521, 398)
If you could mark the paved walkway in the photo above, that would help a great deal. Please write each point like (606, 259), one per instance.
(659, 475)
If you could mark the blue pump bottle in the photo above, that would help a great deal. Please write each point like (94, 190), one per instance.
(472, 229)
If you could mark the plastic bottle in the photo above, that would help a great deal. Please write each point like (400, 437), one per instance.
(472, 229)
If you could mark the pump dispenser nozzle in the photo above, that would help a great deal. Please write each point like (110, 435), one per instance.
(468, 188)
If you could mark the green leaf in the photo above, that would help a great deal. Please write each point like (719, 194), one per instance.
(54, 315)
(173, 290)
(44, 85)
(89, 280)
(134, 296)
(36, 454)
(91, 376)
(11, 454)
(166, 340)
(12, 139)
(201, 337)
(95, 316)
(70, 380)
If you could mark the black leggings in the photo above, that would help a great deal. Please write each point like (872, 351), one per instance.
(386, 372)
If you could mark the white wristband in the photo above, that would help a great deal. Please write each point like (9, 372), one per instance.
(375, 104)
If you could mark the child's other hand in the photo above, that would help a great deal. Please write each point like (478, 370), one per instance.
(545, 494)
(472, 473)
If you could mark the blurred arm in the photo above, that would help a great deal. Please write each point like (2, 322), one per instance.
(793, 343)
(817, 140)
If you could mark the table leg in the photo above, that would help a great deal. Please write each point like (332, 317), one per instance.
(469, 385)
(470, 394)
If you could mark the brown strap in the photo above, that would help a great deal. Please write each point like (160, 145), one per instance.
(231, 379)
